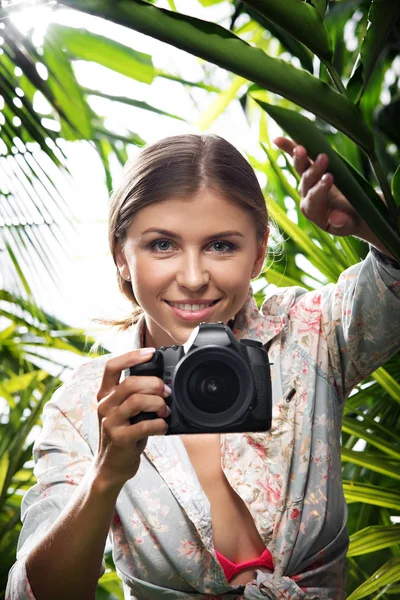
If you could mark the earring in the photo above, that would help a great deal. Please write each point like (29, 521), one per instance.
(127, 277)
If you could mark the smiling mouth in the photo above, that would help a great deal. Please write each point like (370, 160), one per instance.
(192, 307)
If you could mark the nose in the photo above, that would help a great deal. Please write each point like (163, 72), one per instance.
(192, 272)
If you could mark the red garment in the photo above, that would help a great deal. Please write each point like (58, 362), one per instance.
(230, 568)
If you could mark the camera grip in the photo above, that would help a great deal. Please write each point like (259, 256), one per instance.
(153, 367)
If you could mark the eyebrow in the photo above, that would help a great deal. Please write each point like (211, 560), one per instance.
(171, 234)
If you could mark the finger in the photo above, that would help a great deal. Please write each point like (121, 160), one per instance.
(139, 431)
(114, 367)
(301, 160)
(136, 404)
(337, 221)
(285, 145)
(315, 205)
(299, 153)
(313, 174)
(140, 384)
(128, 434)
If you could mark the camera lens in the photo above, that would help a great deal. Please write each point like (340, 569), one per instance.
(213, 387)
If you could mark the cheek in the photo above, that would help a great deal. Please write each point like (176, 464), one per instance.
(149, 276)
(233, 276)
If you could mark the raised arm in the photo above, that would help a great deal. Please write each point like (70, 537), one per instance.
(361, 313)
(322, 202)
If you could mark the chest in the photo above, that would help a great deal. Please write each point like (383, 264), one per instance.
(234, 532)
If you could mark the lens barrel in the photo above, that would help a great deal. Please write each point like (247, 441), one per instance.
(213, 387)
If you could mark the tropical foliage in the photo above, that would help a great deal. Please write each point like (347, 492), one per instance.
(35, 351)
(328, 73)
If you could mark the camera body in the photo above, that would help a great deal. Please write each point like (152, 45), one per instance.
(219, 385)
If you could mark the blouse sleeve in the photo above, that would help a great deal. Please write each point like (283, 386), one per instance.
(361, 319)
(62, 457)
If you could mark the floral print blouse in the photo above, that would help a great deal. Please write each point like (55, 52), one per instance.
(321, 343)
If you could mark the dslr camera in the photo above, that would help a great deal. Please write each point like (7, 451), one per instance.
(219, 385)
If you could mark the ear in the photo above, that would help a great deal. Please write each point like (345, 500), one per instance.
(261, 251)
(121, 261)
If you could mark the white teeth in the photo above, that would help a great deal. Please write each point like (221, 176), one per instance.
(191, 307)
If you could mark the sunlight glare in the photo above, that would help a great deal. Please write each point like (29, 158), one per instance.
(27, 15)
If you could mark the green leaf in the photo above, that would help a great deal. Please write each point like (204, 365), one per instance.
(321, 6)
(389, 384)
(374, 462)
(18, 383)
(111, 582)
(320, 260)
(279, 279)
(365, 185)
(18, 269)
(85, 45)
(387, 574)
(104, 149)
(288, 42)
(303, 21)
(220, 46)
(371, 97)
(101, 132)
(382, 16)
(210, 2)
(356, 407)
(305, 132)
(219, 105)
(23, 54)
(373, 538)
(131, 102)
(363, 430)
(4, 463)
(196, 84)
(371, 494)
(64, 86)
(396, 186)
(32, 128)
(387, 115)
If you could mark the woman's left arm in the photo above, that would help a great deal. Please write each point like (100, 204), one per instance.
(322, 202)
(361, 312)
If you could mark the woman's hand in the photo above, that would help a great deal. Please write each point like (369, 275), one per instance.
(120, 442)
(322, 202)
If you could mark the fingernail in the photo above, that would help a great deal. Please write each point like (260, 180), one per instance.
(167, 390)
(168, 410)
(146, 351)
(325, 178)
(319, 159)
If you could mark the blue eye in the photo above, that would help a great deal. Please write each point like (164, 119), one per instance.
(159, 245)
(220, 247)
(227, 247)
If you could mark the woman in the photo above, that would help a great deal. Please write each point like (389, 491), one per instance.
(188, 231)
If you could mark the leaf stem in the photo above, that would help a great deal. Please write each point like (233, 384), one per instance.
(385, 187)
(335, 77)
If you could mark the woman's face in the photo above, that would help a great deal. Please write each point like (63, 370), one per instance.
(190, 261)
